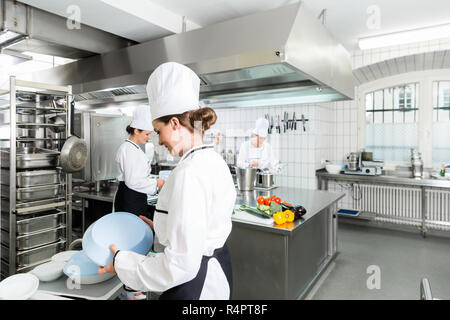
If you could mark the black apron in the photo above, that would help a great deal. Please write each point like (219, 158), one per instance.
(192, 290)
(128, 200)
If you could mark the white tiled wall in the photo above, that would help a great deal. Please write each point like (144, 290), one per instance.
(301, 151)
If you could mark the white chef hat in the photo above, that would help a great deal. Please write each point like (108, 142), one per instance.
(261, 127)
(142, 119)
(172, 89)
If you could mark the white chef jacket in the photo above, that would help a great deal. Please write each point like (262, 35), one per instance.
(135, 168)
(264, 155)
(192, 219)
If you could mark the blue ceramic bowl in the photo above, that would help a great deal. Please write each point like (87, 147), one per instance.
(84, 270)
(125, 230)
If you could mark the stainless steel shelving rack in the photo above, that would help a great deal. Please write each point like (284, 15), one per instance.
(17, 210)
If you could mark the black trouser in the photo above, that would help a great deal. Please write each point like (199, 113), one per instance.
(192, 290)
(128, 200)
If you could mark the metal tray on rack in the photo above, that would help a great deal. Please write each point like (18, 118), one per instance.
(36, 239)
(39, 125)
(26, 179)
(44, 221)
(24, 208)
(34, 193)
(30, 158)
(28, 258)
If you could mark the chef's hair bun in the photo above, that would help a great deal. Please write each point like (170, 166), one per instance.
(206, 115)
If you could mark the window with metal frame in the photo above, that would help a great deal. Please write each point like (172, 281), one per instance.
(392, 122)
(441, 122)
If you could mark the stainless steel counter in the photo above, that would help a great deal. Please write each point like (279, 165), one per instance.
(270, 262)
(383, 179)
(106, 195)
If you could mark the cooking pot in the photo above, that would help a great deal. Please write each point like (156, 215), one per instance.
(246, 178)
(265, 179)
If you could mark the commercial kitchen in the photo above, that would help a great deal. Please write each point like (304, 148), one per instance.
(354, 106)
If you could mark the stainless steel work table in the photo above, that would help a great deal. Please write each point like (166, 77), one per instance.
(106, 195)
(323, 176)
(107, 290)
(271, 262)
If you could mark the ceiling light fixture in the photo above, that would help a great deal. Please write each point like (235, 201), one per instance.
(405, 37)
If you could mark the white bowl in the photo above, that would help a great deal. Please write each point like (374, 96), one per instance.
(64, 256)
(83, 270)
(49, 271)
(125, 230)
(333, 168)
(20, 286)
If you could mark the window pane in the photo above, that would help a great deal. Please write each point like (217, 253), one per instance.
(444, 94)
(441, 124)
(388, 98)
(369, 117)
(443, 115)
(378, 105)
(398, 116)
(369, 101)
(388, 116)
(396, 98)
(378, 117)
(391, 142)
(410, 116)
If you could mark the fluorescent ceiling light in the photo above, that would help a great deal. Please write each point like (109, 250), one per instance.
(405, 37)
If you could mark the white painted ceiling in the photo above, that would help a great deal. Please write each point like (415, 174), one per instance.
(346, 19)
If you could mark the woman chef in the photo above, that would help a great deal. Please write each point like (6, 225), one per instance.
(134, 168)
(193, 214)
(257, 152)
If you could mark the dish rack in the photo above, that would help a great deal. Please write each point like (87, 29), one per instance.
(36, 195)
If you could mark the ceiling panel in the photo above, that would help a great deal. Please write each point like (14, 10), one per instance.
(347, 20)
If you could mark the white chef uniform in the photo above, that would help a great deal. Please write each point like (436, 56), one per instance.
(135, 168)
(193, 214)
(134, 171)
(192, 219)
(264, 155)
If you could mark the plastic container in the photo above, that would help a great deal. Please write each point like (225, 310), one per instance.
(125, 230)
(83, 270)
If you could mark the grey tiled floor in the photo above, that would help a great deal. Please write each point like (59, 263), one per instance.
(403, 258)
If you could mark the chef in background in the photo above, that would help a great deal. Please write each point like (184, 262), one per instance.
(135, 168)
(257, 152)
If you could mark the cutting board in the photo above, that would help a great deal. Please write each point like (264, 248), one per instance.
(245, 216)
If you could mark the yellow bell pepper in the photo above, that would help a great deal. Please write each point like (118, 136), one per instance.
(279, 218)
(290, 216)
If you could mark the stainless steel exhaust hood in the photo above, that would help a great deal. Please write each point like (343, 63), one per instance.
(282, 56)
